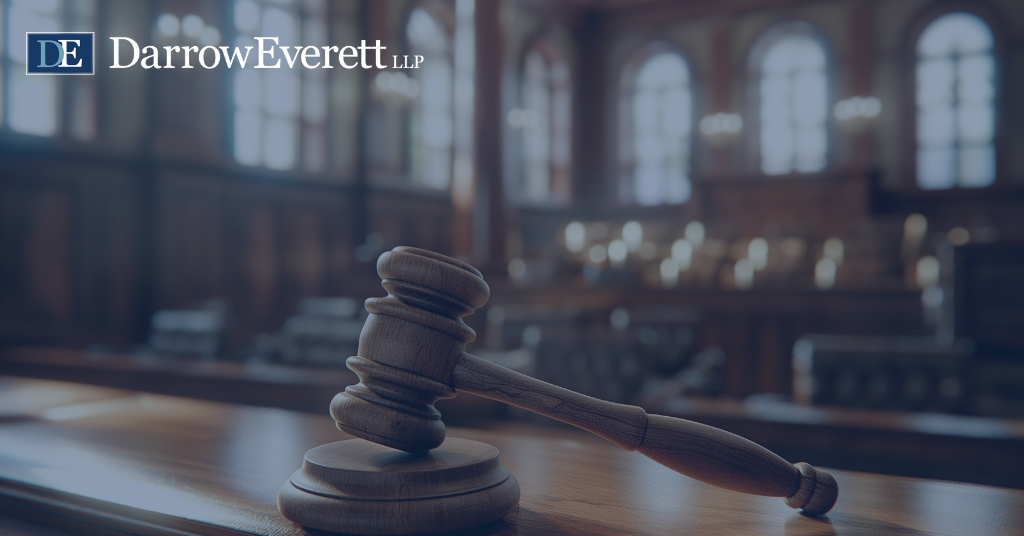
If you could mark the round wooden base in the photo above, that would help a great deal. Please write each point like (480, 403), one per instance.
(361, 487)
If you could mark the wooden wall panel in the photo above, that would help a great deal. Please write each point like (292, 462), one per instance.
(408, 220)
(259, 246)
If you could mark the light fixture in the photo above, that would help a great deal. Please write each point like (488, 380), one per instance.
(720, 129)
(855, 114)
(168, 25)
(575, 237)
(395, 87)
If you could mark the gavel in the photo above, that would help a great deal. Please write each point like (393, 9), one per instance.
(412, 353)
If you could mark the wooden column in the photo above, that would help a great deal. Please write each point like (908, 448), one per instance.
(373, 20)
(592, 182)
(721, 88)
(479, 222)
(861, 63)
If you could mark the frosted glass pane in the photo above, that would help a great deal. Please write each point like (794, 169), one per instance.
(248, 134)
(810, 149)
(662, 71)
(955, 133)
(976, 78)
(32, 107)
(794, 106)
(314, 100)
(23, 18)
(675, 118)
(662, 122)
(281, 92)
(954, 33)
(976, 123)
(935, 82)
(247, 16)
(809, 98)
(248, 89)
(936, 169)
(678, 188)
(279, 142)
(935, 126)
(977, 166)
(281, 24)
(437, 129)
(314, 32)
(430, 120)
(648, 182)
(425, 33)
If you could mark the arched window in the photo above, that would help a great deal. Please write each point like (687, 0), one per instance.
(430, 117)
(790, 66)
(45, 105)
(546, 125)
(279, 111)
(656, 122)
(955, 97)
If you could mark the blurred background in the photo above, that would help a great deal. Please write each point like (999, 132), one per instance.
(799, 220)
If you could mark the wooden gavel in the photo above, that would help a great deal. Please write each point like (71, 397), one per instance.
(412, 353)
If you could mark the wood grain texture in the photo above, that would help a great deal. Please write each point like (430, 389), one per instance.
(356, 486)
(410, 355)
(167, 465)
(693, 449)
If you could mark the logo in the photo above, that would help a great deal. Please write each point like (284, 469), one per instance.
(59, 53)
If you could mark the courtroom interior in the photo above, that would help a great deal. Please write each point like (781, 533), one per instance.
(799, 221)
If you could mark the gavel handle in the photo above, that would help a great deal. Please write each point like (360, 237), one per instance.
(699, 451)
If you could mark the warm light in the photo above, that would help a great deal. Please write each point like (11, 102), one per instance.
(632, 233)
(517, 269)
(617, 251)
(575, 237)
(209, 36)
(915, 225)
(958, 236)
(721, 128)
(682, 252)
(743, 274)
(694, 232)
(669, 270)
(757, 252)
(825, 273)
(396, 84)
(857, 108)
(168, 24)
(834, 249)
(927, 271)
(192, 25)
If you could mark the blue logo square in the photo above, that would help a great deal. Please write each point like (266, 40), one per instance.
(59, 52)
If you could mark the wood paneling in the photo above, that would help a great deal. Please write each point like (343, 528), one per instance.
(150, 463)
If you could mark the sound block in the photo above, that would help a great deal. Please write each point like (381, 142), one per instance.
(361, 487)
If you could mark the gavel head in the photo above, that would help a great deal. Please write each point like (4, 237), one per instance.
(407, 349)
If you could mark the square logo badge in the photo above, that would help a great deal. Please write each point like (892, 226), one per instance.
(59, 52)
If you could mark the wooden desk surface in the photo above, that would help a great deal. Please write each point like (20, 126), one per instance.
(110, 462)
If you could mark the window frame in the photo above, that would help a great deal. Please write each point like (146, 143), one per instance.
(65, 98)
(444, 15)
(908, 98)
(624, 86)
(299, 167)
(553, 51)
(759, 47)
